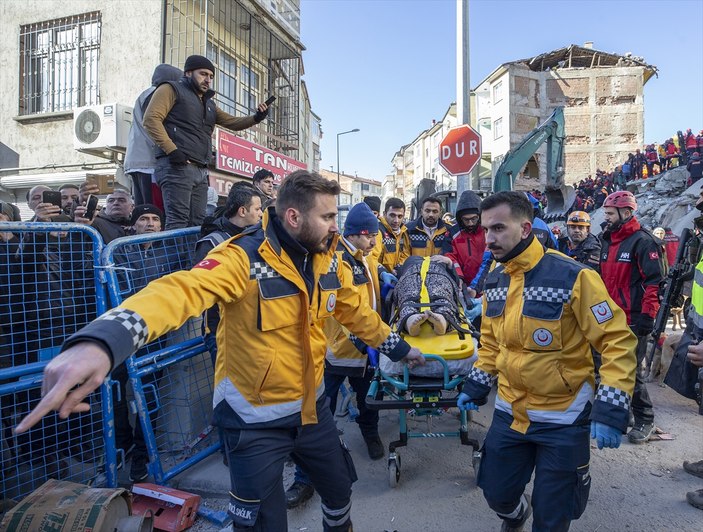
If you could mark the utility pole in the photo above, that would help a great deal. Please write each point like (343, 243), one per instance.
(463, 98)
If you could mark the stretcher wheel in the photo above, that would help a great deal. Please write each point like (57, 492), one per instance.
(393, 474)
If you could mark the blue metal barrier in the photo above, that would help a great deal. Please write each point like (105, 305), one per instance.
(49, 287)
(172, 377)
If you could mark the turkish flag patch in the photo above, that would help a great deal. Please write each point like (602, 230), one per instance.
(654, 255)
(207, 264)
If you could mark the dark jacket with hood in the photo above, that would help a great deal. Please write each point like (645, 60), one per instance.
(467, 246)
(587, 252)
(140, 146)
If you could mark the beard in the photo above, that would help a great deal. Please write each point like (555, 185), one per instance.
(313, 243)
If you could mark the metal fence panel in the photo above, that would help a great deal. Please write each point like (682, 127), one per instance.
(172, 377)
(49, 288)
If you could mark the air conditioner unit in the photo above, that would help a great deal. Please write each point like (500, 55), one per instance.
(102, 129)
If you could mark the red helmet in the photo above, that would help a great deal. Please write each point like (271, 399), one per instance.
(621, 199)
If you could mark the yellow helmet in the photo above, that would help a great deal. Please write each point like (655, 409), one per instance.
(579, 218)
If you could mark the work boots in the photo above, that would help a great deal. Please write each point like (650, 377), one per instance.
(640, 433)
(298, 493)
(375, 447)
(695, 499)
(694, 468)
(518, 523)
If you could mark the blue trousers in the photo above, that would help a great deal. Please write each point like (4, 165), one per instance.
(558, 455)
(256, 460)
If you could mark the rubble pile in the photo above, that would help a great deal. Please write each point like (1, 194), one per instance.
(666, 202)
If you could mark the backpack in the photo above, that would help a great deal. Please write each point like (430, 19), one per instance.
(626, 168)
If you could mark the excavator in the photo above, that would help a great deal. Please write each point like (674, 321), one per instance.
(560, 197)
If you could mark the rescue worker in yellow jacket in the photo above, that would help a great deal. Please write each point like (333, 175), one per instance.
(275, 283)
(346, 354)
(429, 235)
(393, 244)
(541, 315)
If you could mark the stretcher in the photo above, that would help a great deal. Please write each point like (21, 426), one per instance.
(425, 391)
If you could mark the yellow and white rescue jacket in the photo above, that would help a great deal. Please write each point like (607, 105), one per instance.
(271, 344)
(344, 355)
(542, 313)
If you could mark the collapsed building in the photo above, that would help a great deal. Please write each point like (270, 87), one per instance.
(603, 98)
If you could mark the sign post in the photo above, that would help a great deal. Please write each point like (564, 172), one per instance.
(460, 150)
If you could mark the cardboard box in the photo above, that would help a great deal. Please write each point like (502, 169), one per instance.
(173, 510)
(62, 506)
(106, 183)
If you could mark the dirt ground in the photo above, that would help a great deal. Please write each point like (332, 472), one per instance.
(635, 487)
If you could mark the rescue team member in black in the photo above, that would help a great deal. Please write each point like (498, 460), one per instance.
(276, 283)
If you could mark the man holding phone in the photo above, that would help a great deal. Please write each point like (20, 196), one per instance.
(112, 221)
(180, 119)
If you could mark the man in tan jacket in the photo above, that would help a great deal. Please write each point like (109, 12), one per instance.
(180, 119)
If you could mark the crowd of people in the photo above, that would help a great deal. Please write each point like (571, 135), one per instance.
(652, 160)
(493, 245)
(292, 308)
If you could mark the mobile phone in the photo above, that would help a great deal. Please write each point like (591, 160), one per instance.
(52, 196)
(270, 100)
(90, 206)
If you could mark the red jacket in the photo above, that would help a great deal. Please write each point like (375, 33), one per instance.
(630, 269)
(691, 142)
(467, 251)
(671, 242)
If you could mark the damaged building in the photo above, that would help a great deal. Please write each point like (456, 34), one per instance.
(603, 98)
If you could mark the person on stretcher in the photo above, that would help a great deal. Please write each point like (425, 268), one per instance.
(442, 286)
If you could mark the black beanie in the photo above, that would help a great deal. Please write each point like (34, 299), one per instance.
(146, 208)
(374, 202)
(194, 62)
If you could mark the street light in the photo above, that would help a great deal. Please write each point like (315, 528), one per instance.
(356, 130)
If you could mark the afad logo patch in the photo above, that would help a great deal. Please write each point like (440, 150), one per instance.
(602, 312)
(654, 255)
(207, 264)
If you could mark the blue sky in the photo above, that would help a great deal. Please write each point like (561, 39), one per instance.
(388, 68)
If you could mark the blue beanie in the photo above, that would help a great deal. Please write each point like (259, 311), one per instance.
(360, 221)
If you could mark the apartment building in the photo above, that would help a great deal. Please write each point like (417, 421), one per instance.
(97, 56)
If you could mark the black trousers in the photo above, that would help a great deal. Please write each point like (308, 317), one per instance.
(642, 407)
(256, 459)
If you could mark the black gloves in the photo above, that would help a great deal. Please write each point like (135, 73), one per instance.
(177, 158)
(260, 115)
(642, 325)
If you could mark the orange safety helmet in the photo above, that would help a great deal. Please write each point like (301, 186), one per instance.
(622, 199)
(579, 218)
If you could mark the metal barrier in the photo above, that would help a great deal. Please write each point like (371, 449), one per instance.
(49, 288)
(172, 377)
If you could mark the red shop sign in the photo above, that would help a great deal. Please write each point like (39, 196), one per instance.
(241, 157)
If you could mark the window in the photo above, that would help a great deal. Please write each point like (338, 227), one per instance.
(59, 64)
(497, 92)
(250, 88)
(498, 128)
(226, 86)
